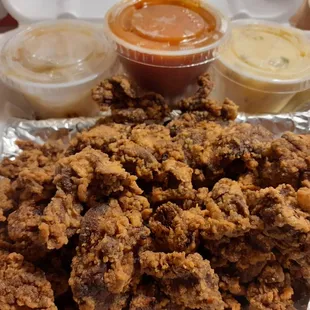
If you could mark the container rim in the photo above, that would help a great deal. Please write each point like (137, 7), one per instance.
(225, 28)
(195, 64)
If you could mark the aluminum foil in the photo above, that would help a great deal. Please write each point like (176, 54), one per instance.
(47, 130)
(298, 123)
(42, 131)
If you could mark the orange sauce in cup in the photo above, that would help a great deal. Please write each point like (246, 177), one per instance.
(159, 39)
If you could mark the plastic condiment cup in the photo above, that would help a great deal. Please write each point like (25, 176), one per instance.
(164, 45)
(265, 65)
(300, 102)
(55, 64)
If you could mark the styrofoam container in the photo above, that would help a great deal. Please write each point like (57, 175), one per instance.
(30, 11)
(93, 10)
(3, 11)
(55, 64)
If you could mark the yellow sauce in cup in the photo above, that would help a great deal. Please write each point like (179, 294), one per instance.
(265, 65)
(268, 52)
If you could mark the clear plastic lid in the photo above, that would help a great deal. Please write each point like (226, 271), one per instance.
(267, 55)
(56, 54)
(192, 32)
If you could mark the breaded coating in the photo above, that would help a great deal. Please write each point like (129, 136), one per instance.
(221, 151)
(243, 141)
(103, 272)
(226, 214)
(132, 202)
(239, 255)
(227, 194)
(33, 156)
(27, 159)
(176, 182)
(272, 290)
(34, 184)
(157, 139)
(210, 109)
(303, 199)
(148, 297)
(53, 149)
(22, 285)
(229, 211)
(92, 176)
(150, 136)
(298, 264)
(6, 201)
(287, 161)
(287, 224)
(35, 228)
(23, 231)
(6, 243)
(136, 159)
(248, 181)
(197, 141)
(230, 302)
(237, 149)
(197, 101)
(61, 219)
(98, 137)
(31, 175)
(126, 105)
(284, 221)
(175, 229)
(231, 285)
(188, 280)
(114, 90)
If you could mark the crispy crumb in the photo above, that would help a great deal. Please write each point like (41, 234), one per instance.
(22, 285)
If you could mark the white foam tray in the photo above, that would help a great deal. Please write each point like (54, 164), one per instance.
(35, 10)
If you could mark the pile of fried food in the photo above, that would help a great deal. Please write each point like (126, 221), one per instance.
(143, 212)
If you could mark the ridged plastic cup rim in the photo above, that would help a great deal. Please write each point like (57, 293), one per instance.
(196, 64)
(225, 28)
(304, 82)
(21, 82)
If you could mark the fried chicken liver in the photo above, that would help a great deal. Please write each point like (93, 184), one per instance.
(193, 212)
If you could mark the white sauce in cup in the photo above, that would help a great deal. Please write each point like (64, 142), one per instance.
(55, 64)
